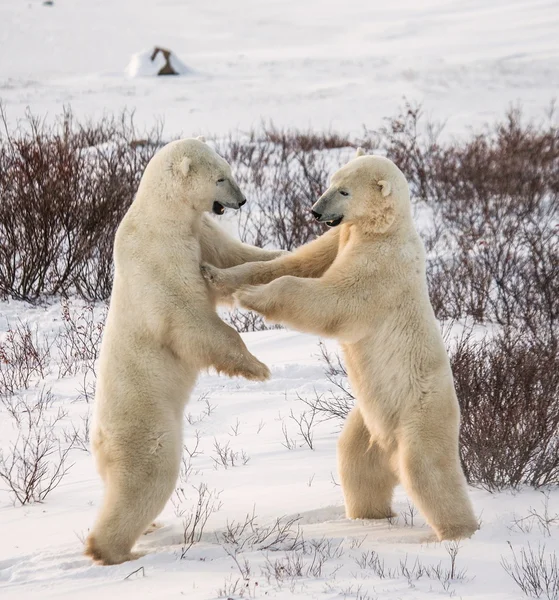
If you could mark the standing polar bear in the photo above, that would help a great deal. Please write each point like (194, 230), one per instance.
(161, 330)
(364, 283)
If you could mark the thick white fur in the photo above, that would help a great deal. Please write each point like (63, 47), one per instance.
(162, 329)
(364, 283)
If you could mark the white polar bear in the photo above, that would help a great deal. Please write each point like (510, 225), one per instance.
(364, 283)
(161, 330)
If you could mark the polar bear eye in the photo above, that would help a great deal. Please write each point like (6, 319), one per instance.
(344, 193)
(222, 180)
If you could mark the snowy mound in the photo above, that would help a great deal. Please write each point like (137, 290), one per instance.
(157, 61)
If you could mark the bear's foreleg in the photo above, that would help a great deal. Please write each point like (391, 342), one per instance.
(227, 353)
(223, 250)
(364, 466)
(309, 305)
(310, 260)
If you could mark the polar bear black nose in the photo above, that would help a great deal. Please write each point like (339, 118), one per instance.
(315, 214)
(243, 202)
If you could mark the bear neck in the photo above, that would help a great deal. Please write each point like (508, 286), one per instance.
(400, 229)
(162, 207)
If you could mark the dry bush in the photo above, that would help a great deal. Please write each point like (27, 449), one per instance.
(79, 340)
(64, 189)
(371, 561)
(508, 389)
(546, 520)
(283, 172)
(24, 357)
(226, 457)
(242, 536)
(36, 462)
(247, 320)
(534, 572)
(307, 561)
(194, 516)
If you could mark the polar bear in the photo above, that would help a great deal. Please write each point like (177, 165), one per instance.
(162, 329)
(364, 284)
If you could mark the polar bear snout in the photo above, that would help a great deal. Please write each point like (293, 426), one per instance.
(228, 195)
(219, 207)
(324, 212)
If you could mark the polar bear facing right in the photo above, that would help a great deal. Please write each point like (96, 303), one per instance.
(364, 284)
(162, 330)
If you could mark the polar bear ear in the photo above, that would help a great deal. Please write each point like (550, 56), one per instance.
(385, 212)
(359, 152)
(201, 138)
(184, 165)
(385, 187)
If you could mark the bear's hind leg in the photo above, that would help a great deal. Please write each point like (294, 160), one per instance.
(432, 476)
(367, 479)
(136, 491)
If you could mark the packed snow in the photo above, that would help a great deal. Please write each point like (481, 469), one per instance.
(271, 473)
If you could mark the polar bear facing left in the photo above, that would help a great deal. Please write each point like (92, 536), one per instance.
(161, 330)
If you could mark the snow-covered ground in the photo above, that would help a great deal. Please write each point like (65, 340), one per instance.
(41, 551)
(314, 63)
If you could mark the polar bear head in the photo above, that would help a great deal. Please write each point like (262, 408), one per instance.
(189, 171)
(369, 189)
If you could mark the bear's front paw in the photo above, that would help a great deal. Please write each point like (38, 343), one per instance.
(217, 279)
(210, 273)
(250, 297)
(255, 371)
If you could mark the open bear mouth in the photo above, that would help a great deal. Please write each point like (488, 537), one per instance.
(334, 222)
(218, 208)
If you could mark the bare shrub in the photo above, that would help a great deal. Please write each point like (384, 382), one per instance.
(239, 536)
(284, 172)
(544, 519)
(288, 442)
(534, 572)
(79, 341)
(36, 462)
(336, 403)
(231, 586)
(307, 561)
(409, 515)
(247, 320)
(64, 189)
(24, 356)
(78, 436)
(305, 421)
(446, 575)
(226, 457)
(195, 517)
(508, 389)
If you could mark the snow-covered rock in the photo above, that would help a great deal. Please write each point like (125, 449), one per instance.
(157, 61)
